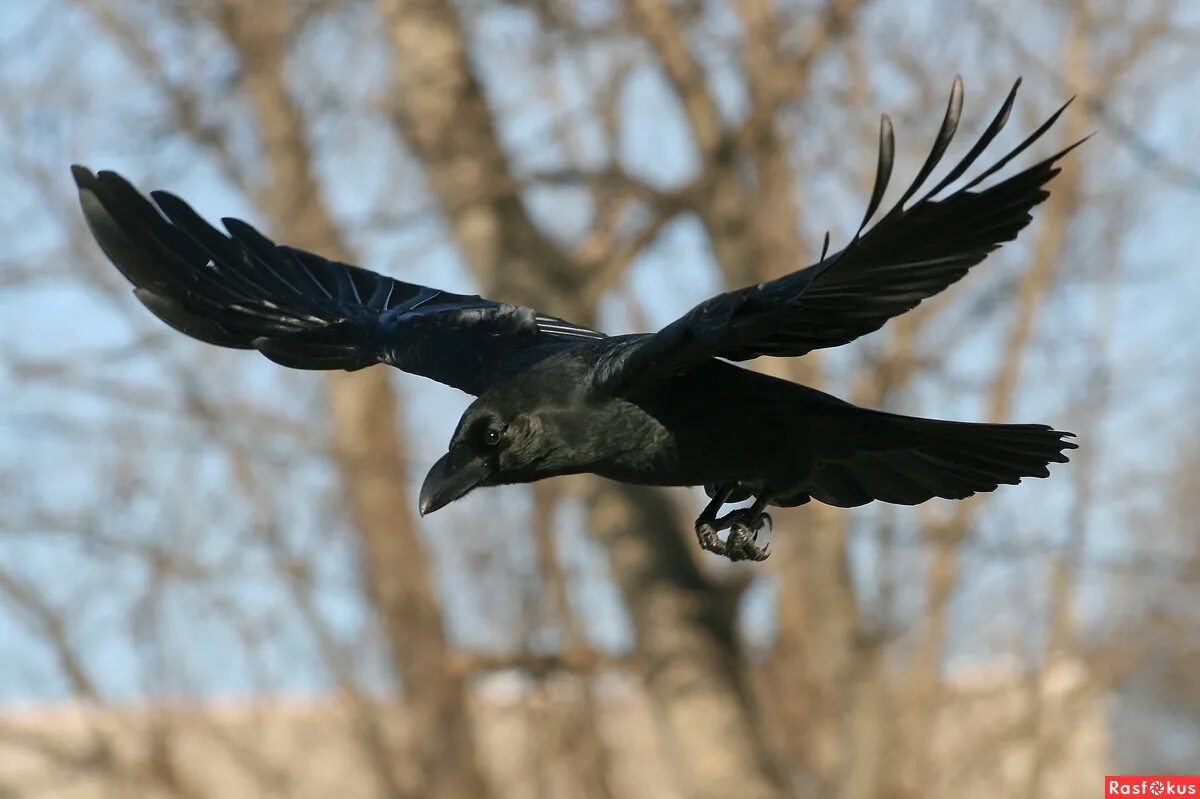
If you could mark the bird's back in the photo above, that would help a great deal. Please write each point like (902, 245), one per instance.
(722, 422)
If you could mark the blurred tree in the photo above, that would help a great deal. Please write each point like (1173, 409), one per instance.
(609, 163)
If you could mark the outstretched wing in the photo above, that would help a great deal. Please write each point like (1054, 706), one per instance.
(912, 253)
(299, 309)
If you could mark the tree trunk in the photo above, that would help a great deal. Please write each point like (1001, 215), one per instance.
(686, 634)
(364, 413)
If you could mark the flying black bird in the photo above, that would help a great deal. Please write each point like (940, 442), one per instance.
(665, 408)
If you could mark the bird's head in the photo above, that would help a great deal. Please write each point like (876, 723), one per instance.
(541, 423)
(490, 446)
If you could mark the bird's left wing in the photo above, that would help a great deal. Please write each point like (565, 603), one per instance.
(301, 310)
(915, 251)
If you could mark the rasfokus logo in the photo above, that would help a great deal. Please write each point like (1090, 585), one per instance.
(1156, 785)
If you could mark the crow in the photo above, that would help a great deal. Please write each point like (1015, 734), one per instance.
(669, 408)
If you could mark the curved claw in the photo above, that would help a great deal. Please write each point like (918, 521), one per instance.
(744, 525)
(741, 544)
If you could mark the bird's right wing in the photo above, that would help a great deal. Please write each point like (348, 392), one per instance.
(914, 252)
(299, 309)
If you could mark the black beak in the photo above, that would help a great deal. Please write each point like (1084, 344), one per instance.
(455, 473)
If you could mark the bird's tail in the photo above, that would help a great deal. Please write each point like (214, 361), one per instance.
(238, 290)
(907, 460)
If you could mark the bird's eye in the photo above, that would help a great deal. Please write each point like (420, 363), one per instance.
(491, 437)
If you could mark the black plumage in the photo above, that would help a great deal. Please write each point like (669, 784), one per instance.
(664, 408)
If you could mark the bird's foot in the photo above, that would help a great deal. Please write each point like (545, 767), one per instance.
(742, 541)
(706, 533)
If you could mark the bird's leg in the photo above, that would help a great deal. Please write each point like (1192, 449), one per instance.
(744, 526)
(707, 525)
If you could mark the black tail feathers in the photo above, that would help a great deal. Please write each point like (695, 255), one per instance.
(906, 460)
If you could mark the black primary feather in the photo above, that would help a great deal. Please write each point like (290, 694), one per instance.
(242, 290)
(914, 252)
(883, 172)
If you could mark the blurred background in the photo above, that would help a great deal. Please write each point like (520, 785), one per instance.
(212, 579)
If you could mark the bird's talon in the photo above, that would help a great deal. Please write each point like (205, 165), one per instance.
(707, 536)
(740, 544)
(745, 525)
